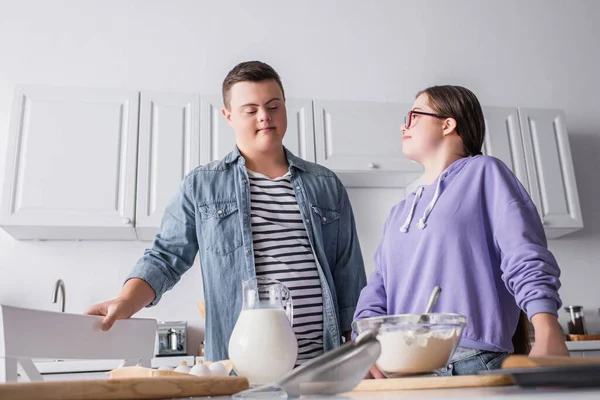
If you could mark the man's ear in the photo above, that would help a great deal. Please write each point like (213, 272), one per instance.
(449, 126)
(227, 114)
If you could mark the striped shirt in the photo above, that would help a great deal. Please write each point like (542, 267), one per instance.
(282, 251)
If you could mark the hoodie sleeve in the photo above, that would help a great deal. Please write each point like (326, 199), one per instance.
(529, 270)
(373, 299)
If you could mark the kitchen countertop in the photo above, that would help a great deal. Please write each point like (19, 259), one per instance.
(64, 366)
(51, 366)
(584, 345)
(499, 393)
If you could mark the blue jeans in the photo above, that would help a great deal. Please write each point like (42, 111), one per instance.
(467, 361)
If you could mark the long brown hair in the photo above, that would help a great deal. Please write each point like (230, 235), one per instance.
(461, 104)
(520, 339)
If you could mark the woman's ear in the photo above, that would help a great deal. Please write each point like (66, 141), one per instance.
(449, 126)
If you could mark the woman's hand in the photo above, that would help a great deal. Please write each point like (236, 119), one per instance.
(549, 340)
(374, 373)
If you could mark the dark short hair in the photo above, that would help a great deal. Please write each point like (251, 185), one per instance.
(249, 71)
(461, 104)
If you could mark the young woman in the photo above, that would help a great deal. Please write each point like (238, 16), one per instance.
(471, 229)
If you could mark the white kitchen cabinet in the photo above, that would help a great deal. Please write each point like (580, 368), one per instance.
(71, 164)
(503, 140)
(535, 146)
(169, 148)
(362, 142)
(218, 137)
(74, 164)
(550, 171)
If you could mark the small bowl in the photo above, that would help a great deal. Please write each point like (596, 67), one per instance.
(411, 347)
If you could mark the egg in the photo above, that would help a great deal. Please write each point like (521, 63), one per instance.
(218, 369)
(200, 370)
(184, 368)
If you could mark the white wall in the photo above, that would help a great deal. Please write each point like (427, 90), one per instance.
(510, 52)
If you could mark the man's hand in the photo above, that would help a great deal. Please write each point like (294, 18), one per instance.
(112, 310)
(136, 294)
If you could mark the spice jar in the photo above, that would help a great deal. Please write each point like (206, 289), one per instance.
(577, 321)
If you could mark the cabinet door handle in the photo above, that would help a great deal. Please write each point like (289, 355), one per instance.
(372, 166)
(126, 221)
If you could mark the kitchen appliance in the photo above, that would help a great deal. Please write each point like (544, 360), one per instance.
(171, 338)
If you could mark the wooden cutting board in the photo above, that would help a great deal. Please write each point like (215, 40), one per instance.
(512, 362)
(125, 389)
(445, 382)
(434, 382)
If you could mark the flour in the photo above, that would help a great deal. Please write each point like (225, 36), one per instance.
(408, 352)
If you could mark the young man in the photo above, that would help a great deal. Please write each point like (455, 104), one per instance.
(260, 211)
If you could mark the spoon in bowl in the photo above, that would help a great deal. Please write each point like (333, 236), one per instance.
(424, 319)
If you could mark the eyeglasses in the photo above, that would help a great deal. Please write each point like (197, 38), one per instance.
(408, 119)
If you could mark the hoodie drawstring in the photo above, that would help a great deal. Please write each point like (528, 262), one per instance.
(423, 221)
(404, 228)
(436, 195)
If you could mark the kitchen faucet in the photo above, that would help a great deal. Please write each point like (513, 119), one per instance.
(59, 285)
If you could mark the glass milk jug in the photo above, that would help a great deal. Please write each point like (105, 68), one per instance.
(263, 346)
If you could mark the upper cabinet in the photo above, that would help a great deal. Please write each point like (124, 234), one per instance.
(71, 164)
(550, 171)
(80, 167)
(169, 148)
(362, 142)
(503, 140)
(218, 137)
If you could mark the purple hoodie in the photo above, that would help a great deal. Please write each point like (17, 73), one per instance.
(477, 234)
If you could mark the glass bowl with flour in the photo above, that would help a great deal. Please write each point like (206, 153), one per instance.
(413, 344)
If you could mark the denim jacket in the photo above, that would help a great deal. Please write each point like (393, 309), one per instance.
(211, 215)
